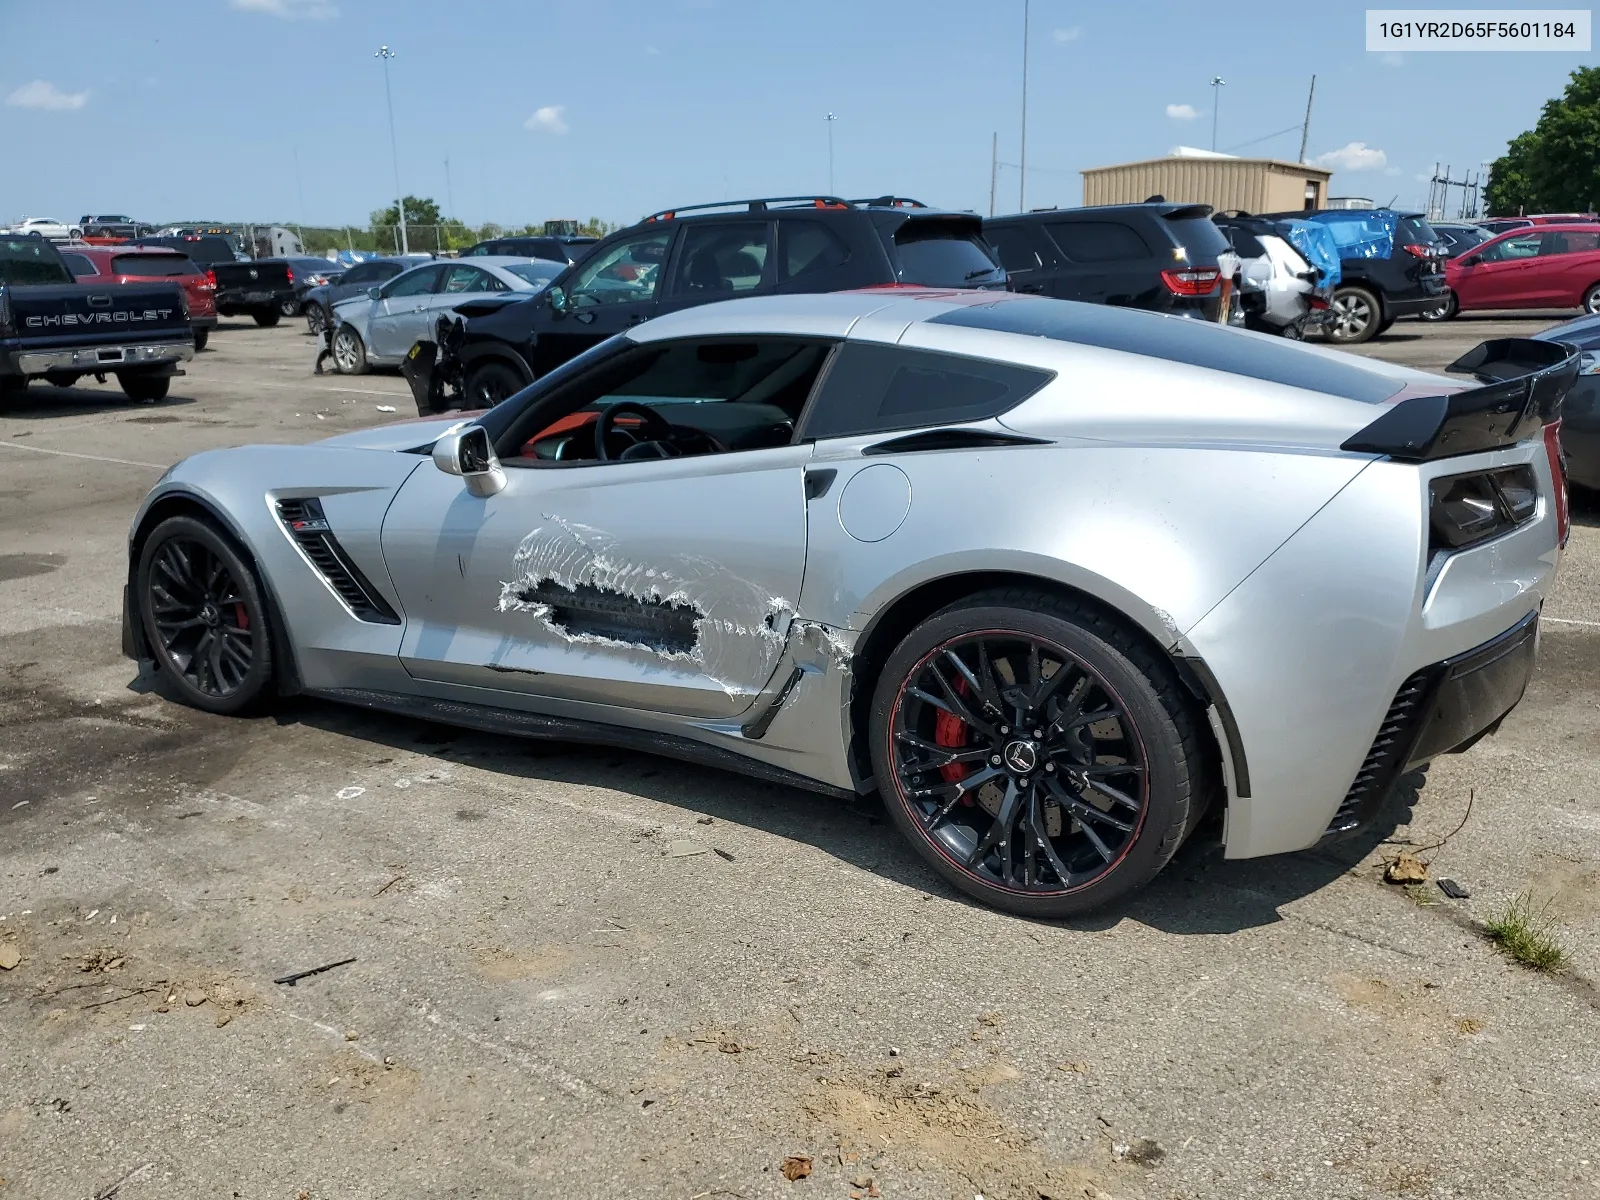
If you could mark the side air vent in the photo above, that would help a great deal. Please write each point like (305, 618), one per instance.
(308, 526)
(1396, 737)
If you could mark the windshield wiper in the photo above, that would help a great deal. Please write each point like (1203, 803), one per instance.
(979, 271)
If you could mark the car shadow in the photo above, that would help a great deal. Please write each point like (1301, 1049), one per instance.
(48, 403)
(1199, 892)
(1585, 507)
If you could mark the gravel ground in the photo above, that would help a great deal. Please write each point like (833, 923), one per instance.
(542, 1002)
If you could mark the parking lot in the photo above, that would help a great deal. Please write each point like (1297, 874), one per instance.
(547, 997)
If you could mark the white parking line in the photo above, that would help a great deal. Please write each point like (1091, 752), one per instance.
(1571, 621)
(301, 387)
(126, 462)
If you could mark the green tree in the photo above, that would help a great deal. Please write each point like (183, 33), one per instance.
(419, 211)
(1555, 166)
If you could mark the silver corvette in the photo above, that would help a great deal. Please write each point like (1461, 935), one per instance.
(1054, 579)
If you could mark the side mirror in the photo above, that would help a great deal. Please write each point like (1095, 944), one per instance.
(558, 299)
(374, 293)
(467, 452)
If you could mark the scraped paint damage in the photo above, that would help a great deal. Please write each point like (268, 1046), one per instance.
(577, 582)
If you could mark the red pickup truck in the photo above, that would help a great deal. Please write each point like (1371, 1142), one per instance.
(141, 264)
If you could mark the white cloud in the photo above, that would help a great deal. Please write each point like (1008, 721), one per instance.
(1355, 156)
(1182, 112)
(42, 94)
(1071, 34)
(549, 119)
(289, 10)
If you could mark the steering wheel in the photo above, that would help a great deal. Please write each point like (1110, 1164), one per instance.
(655, 436)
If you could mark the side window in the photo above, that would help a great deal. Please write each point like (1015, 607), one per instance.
(79, 264)
(413, 283)
(361, 273)
(1018, 248)
(386, 270)
(1098, 241)
(1577, 242)
(810, 246)
(468, 279)
(873, 388)
(628, 272)
(721, 260)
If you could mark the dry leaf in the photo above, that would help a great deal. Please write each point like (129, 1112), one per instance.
(796, 1166)
(1406, 868)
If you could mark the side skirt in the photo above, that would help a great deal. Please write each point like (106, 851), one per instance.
(489, 719)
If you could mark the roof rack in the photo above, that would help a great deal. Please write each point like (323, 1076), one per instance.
(754, 206)
(890, 202)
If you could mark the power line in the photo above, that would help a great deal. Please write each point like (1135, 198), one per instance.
(1295, 128)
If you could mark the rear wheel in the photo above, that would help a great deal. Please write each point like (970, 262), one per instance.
(1445, 311)
(349, 352)
(492, 383)
(1354, 315)
(1591, 299)
(289, 307)
(201, 337)
(143, 387)
(1038, 755)
(316, 319)
(203, 616)
(265, 316)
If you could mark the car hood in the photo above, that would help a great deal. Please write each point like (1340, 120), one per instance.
(401, 435)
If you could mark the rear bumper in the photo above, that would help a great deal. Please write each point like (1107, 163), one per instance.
(248, 298)
(1442, 709)
(102, 358)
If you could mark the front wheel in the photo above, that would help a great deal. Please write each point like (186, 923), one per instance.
(1591, 299)
(349, 352)
(492, 383)
(145, 388)
(1445, 310)
(1354, 315)
(1038, 755)
(289, 307)
(201, 337)
(316, 319)
(203, 616)
(266, 316)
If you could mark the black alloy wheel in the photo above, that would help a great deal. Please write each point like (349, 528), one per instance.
(316, 319)
(203, 616)
(492, 383)
(1041, 758)
(289, 307)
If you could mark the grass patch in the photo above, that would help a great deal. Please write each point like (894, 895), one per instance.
(1420, 895)
(1527, 934)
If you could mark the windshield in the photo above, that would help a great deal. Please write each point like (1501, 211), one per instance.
(28, 260)
(940, 254)
(536, 273)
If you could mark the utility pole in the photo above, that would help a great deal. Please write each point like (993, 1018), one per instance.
(830, 118)
(1305, 130)
(994, 168)
(386, 54)
(1217, 84)
(1022, 168)
(449, 192)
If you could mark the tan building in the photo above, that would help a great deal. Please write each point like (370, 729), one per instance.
(1253, 184)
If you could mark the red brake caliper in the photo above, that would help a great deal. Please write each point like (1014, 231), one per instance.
(951, 730)
(243, 617)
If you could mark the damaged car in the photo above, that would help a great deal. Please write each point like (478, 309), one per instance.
(1055, 579)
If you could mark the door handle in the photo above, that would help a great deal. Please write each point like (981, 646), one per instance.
(635, 318)
(584, 318)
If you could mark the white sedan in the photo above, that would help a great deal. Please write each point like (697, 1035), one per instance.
(378, 328)
(48, 227)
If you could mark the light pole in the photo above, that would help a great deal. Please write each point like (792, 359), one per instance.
(1217, 84)
(1022, 167)
(830, 119)
(386, 54)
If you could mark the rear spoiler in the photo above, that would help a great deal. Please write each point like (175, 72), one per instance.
(1525, 382)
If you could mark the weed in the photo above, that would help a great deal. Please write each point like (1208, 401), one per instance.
(1419, 895)
(1527, 934)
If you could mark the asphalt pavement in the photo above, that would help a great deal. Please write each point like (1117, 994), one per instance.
(539, 997)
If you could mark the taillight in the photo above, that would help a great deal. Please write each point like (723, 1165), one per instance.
(1318, 304)
(1472, 508)
(211, 280)
(1191, 281)
(1419, 249)
(1558, 475)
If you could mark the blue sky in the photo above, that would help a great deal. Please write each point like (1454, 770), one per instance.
(201, 109)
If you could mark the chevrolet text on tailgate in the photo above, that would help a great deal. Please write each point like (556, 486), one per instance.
(56, 329)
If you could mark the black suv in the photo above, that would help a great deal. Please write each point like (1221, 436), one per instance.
(1392, 266)
(1159, 256)
(680, 258)
(553, 249)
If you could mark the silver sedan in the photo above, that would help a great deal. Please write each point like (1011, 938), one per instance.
(379, 327)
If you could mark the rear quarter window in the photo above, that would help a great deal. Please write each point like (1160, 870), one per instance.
(1199, 236)
(1098, 241)
(81, 265)
(871, 388)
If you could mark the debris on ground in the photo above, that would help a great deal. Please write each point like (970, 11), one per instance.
(796, 1166)
(10, 956)
(385, 408)
(194, 998)
(704, 820)
(1142, 1152)
(1453, 889)
(722, 854)
(685, 848)
(298, 975)
(1405, 867)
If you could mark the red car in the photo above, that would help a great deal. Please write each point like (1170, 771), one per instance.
(1541, 266)
(142, 264)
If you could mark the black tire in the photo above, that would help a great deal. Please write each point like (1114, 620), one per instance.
(1354, 316)
(266, 317)
(491, 383)
(1446, 311)
(349, 351)
(1591, 299)
(1384, 326)
(1149, 741)
(13, 386)
(316, 319)
(201, 337)
(144, 387)
(61, 379)
(289, 307)
(191, 582)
